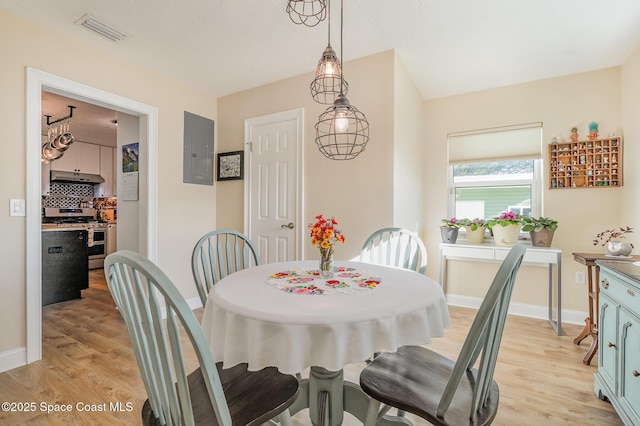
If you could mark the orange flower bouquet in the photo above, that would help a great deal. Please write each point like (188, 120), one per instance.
(324, 234)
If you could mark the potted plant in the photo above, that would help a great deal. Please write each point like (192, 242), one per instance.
(475, 229)
(505, 228)
(611, 239)
(449, 230)
(540, 229)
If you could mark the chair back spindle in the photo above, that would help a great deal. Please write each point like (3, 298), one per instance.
(142, 292)
(218, 254)
(395, 247)
(485, 335)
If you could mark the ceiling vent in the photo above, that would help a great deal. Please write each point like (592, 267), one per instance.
(105, 30)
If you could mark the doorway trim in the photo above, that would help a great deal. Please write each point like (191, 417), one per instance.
(249, 123)
(37, 81)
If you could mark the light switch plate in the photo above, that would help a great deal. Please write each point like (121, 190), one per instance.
(17, 207)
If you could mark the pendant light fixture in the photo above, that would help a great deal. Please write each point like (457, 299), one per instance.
(342, 132)
(328, 83)
(307, 12)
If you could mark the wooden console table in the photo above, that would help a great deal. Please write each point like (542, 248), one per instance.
(593, 291)
(489, 252)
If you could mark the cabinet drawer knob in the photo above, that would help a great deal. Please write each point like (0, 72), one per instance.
(630, 292)
(635, 373)
(611, 345)
(605, 283)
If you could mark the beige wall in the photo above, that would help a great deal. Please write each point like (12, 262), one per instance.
(130, 222)
(357, 193)
(559, 103)
(408, 151)
(630, 202)
(184, 211)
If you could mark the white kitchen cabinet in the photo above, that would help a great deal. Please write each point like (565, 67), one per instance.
(79, 158)
(107, 171)
(618, 376)
(46, 178)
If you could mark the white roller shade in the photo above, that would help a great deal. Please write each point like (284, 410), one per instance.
(497, 144)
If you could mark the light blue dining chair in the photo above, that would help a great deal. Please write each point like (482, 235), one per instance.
(210, 395)
(395, 247)
(441, 391)
(218, 254)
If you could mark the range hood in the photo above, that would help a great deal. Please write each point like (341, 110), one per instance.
(60, 176)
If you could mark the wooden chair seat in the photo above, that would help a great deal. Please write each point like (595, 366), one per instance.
(253, 397)
(414, 378)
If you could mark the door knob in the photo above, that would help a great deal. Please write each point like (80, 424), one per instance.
(288, 225)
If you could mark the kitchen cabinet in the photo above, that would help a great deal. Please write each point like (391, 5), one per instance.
(618, 376)
(79, 158)
(65, 265)
(46, 178)
(107, 171)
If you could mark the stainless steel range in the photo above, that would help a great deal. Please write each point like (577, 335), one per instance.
(80, 218)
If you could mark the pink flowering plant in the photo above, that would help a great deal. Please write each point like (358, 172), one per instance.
(451, 223)
(473, 224)
(505, 219)
(608, 235)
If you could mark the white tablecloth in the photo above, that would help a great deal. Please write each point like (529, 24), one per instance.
(246, 319)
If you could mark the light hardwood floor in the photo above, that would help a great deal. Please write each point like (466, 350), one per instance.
(87, 360)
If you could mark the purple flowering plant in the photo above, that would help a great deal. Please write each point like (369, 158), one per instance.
(451, 223)
(473, 224)
(505, 219)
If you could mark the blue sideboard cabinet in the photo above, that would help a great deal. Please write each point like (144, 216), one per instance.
(618, 376)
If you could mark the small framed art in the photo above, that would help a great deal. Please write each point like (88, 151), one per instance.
(231, 165)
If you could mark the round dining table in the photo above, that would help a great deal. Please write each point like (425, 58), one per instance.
(285, 315)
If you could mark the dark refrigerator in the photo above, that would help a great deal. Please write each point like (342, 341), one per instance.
(65, 265)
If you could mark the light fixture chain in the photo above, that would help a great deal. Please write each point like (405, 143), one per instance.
(341, 58)
(329, 22)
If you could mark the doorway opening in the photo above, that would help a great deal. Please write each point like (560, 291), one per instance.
(37, 82)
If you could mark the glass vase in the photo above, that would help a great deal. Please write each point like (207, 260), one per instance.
(326, 266)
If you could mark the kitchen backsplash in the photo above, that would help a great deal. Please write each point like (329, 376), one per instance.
(72, 195)
(68, 195)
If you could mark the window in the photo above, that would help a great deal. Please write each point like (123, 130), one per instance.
(495, 170)
(485, 190)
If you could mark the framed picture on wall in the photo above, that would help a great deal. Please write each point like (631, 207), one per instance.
(231, 165)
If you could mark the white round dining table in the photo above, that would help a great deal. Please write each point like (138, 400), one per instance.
(285, 315)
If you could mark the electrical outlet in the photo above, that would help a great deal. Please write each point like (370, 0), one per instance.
(579, 277)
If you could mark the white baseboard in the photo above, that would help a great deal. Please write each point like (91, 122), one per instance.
(520, 309)
(13, 358)
(194, 303)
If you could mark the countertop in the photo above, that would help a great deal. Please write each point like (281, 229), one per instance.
(630, 270)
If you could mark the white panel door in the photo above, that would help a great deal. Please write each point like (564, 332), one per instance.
(273, 185)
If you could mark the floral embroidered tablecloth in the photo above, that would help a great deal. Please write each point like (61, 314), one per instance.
(345, 280)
